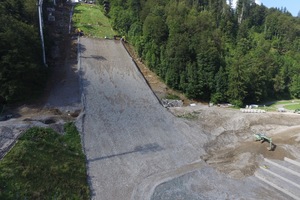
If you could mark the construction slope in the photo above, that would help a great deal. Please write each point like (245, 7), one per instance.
(135, 147)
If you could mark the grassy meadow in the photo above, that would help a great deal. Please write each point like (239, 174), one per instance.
(90, 19)
(292, 104)
(45, 165)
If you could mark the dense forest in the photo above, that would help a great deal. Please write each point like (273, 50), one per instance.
(204, 48)
(212, 52)
(22, 74)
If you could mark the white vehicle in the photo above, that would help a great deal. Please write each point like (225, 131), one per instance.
(281, 110)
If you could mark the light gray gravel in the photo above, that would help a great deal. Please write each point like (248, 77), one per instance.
(128, 136)
(208, 184)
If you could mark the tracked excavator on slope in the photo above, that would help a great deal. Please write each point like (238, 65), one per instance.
(263, 138)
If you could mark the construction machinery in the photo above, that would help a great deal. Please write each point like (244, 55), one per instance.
(263, 138)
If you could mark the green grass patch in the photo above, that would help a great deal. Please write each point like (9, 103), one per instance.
(287, 104)
(292, 106)
(284, 102)
(172, 96)
(45, 165)
(91, 20)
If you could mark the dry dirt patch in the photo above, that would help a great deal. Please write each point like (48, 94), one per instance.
(243, 160)
(232, 149)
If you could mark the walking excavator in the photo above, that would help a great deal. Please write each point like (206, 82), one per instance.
(263, 138)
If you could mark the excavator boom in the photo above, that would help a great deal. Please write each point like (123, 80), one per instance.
(262, 137)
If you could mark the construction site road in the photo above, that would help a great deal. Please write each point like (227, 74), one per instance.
(135, 148)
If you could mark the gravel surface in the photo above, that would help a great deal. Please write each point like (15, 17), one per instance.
(208, 184)
(128, 135)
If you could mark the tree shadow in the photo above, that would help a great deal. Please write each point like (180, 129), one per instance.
(94, 57)
(143, 149)
(81, 48)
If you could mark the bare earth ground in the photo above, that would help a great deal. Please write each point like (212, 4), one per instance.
(232, 149)
(135, 148)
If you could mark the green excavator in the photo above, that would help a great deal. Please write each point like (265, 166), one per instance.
(263, 138)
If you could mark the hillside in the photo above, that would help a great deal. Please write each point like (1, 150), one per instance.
(211, 52)
(137, 149)
(22, 73)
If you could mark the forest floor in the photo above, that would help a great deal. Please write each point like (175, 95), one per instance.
(229, 145)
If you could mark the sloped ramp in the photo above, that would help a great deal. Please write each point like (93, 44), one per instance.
(282, 175)
(127, 135)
